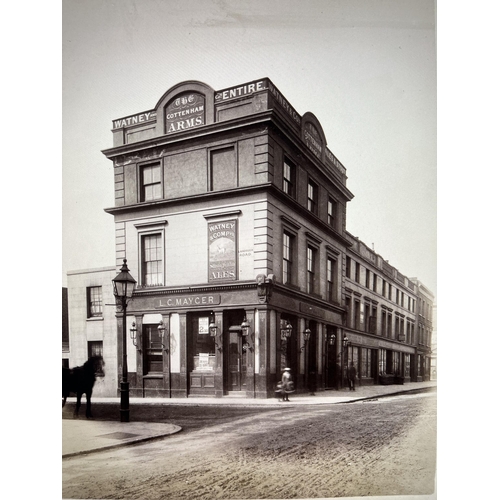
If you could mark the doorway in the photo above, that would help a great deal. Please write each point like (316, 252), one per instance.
(236, 360)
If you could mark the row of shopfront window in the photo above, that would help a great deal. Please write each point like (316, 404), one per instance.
(226, 357)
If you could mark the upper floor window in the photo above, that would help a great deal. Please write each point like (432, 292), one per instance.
(348, 267)
(223, 174)
(375, 282)
(332, 212)
(152, 260)
(311, 269)
(288, 251)
(331, 272)
(94, 301)
(367, 278)
(357, 314)
(312, 197)
(348, 311)
(151, 182)
(357, 272)
(289, 178)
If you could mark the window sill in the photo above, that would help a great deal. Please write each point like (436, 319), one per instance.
(95, 318)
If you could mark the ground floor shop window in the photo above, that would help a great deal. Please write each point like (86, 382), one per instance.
(366, 363)
(397, 363)
(407, 365)
(95, 349)
(153, 353)
(382, 361)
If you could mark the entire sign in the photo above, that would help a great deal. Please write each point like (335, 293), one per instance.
(222, 251)
(258, 86)
(184, 112)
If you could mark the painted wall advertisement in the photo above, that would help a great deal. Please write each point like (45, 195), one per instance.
(222, 251)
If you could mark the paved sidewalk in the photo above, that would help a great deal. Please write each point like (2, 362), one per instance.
(81, 436)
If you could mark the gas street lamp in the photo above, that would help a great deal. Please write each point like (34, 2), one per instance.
(123, 288)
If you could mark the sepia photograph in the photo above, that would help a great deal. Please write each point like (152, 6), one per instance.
(249, 249)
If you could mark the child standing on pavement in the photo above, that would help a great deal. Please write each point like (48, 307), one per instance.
(286, 384)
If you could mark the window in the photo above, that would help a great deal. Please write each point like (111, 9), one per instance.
(374, 282)
(331, 273)
(397, 296)
(312, 197)
(153, 355)
(94, 348)
(348, 312)
(383, 287)
(94, 301)
(223, 174)
(366, 363)
(356, 277)
(389, 292)
(384, 323)
(373, 320)
(151, 182)
(311, 269)
(152, 260)
(288, 251)
(367, 278)
(289, 178)
(348, 267)
(332, 212)
(357, 314)
(389, 326)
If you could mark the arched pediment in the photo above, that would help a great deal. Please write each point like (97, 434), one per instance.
(184, 106)
(313, 135)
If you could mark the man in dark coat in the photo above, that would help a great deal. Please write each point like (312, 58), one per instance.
(351, 375)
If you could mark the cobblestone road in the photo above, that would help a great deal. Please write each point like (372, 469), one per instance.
(372, 448)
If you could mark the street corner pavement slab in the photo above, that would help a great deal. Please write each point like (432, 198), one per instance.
(84, 436)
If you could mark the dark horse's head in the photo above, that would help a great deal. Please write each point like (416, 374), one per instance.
(94, 365)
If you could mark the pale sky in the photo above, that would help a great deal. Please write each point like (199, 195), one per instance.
(365, 68)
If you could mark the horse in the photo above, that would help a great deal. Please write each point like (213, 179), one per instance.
(80, 380)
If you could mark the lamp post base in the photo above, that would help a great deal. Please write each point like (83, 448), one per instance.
(124, 402)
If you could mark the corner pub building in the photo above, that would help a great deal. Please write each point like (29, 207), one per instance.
(230, 211)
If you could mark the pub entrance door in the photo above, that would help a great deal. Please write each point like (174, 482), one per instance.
(236, 375)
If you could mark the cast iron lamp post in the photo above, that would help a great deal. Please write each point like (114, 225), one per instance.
(345, 355)
(307, 336)
(123, 288)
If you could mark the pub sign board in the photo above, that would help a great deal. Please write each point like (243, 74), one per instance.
(184, 112)
(222, 251)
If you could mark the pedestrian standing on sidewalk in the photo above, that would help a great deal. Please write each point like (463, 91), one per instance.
(286, 383)
(351, 375)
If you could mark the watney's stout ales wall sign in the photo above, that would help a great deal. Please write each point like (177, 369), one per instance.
(222, 251)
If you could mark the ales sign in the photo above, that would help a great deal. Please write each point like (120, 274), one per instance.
(222, 251)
